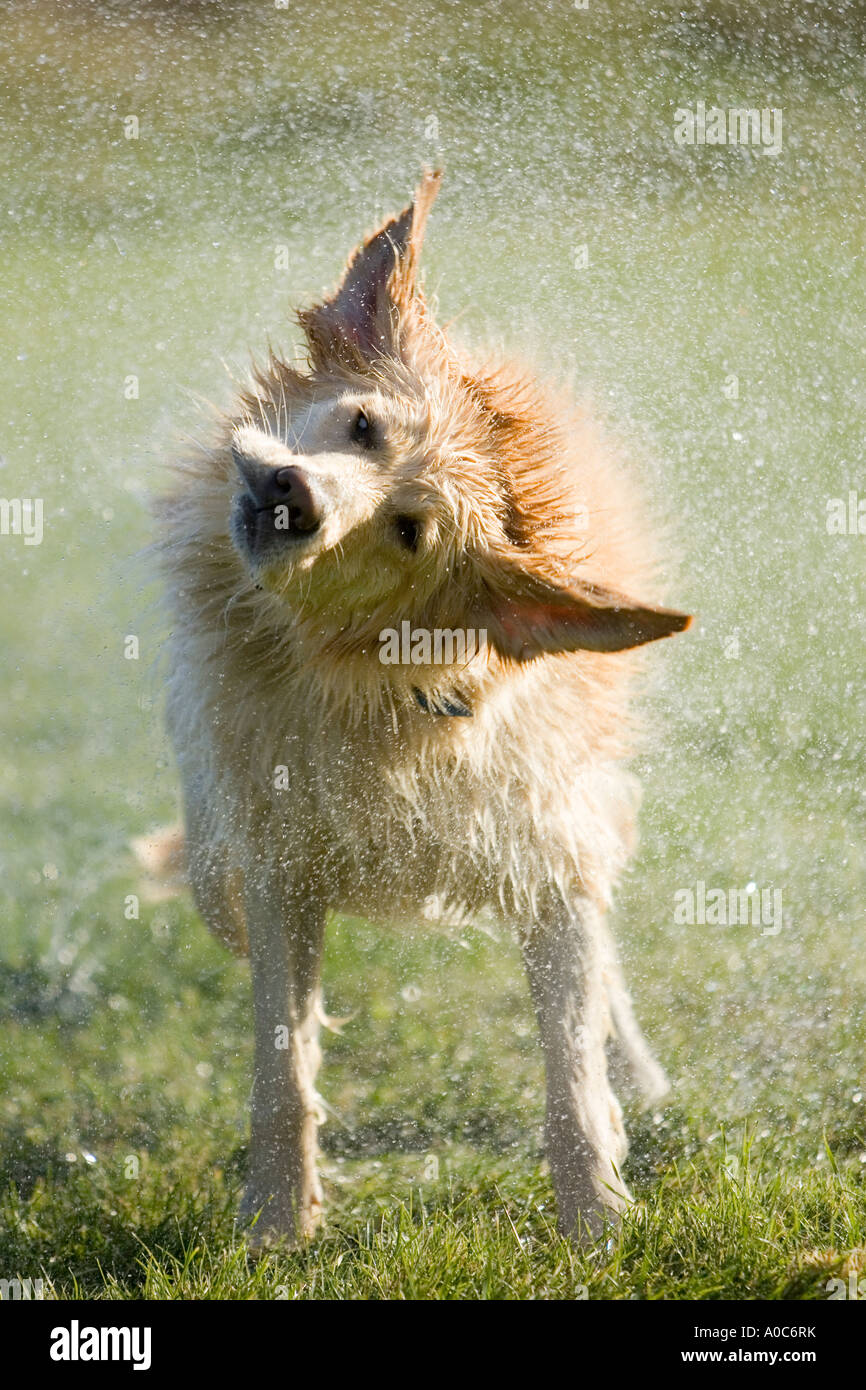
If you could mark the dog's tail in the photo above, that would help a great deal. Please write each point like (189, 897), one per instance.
(161, 854)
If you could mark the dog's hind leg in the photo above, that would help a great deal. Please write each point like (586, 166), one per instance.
(286, 935)
(216, 887)
(564, 955)
(175, 856)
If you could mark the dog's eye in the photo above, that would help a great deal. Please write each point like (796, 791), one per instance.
(362, 431)
(408, 531)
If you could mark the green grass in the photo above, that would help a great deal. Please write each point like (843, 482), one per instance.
(481, 1229)
(125, 1044)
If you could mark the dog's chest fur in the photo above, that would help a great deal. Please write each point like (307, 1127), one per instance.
(400, 812)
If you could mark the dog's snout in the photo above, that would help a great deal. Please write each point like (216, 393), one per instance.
(286, 485)
(293, 489)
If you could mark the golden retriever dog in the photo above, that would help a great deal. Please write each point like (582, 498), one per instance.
(405, 589)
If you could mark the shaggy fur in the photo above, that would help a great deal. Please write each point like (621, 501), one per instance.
(317, 779)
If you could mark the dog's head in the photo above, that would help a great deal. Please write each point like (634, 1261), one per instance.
(394, 482)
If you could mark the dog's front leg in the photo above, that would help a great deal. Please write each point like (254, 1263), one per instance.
(585, 1138)
(633, 1068)
(286, 933)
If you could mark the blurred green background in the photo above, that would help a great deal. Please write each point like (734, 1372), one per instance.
(155, 257)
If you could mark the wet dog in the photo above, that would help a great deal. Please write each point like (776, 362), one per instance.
(393, 488)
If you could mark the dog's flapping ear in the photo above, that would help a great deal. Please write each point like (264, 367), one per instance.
(527, 615)
(363, 319)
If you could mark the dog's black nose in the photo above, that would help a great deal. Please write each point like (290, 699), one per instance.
(292, 488)
(289, 486)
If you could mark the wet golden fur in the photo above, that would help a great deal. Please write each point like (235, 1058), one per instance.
(314, 780)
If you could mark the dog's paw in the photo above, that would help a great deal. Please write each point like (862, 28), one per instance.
(276, 1224)
(592, 1225)
(584, 1220)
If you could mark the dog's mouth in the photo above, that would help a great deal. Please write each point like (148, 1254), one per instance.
(270, 531)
